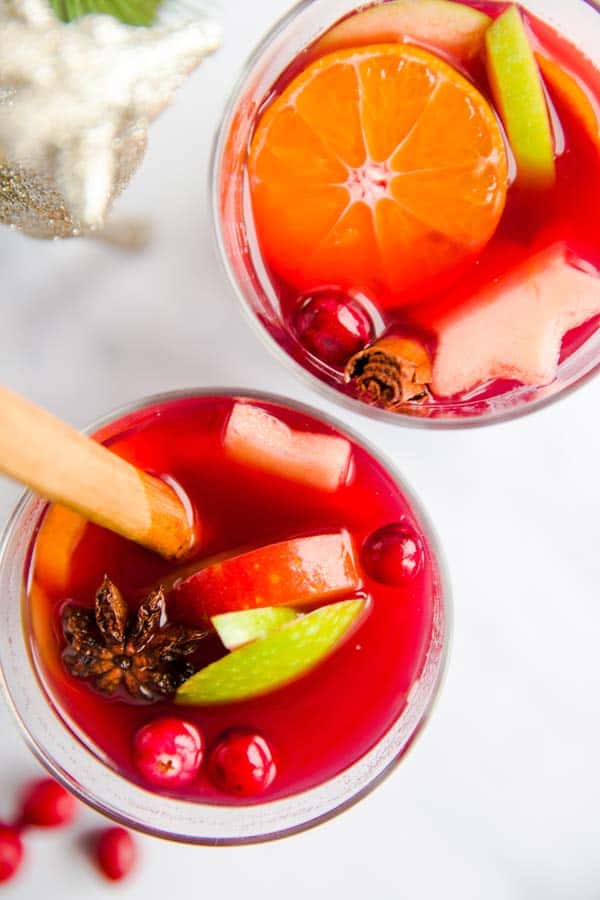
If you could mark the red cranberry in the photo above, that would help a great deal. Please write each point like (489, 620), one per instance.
(333, 327)
(168, 752)
(48, 804)
(116, 853)
(242, 763)
(393, 554)
(11, 852)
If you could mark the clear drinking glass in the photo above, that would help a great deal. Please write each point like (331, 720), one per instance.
(65, 753)
(577, 20)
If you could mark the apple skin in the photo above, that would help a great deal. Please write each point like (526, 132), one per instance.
(453, 28)
(519, 96)
(300, 572)
(273, 662)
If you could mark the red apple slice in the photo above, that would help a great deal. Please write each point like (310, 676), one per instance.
(455, 28)
(514, 327)
(257, 438)
(300, 572)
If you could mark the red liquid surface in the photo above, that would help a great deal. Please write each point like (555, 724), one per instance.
(322, 723)
(530, 222)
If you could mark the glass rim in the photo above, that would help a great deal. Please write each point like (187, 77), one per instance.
(520, 404)
(304, 810)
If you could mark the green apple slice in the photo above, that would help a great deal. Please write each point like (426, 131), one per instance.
(238, 628)
(519, 96)
(268, 664)
(454, 28)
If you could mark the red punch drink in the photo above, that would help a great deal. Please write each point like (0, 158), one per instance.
(418, 197)
(283, 652)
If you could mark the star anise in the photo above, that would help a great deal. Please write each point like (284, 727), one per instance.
(140, 654)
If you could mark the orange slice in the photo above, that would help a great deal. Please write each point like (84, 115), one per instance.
(567, 90)
(378, 169)
(59, 535)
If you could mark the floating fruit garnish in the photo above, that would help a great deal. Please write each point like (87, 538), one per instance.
(47, 804)
(274, 661)
(168, 752)
(60, 533)
(392, 371)
(258, 439)
(394, 554)
(514, 327)
(141, 655)
(455, 28)
(565, 88)
(519, 95)
(299, 572)
(242, 763)
(332, 326)
(378, 169)
(116, 853)
(238, 628)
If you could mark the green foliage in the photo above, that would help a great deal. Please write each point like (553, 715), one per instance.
(131, 12)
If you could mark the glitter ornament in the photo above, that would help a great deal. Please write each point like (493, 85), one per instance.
(76, 101)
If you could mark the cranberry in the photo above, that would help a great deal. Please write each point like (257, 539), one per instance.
(48, 804)
(116, 853)
(393, 554)
(333, 327)
(168, 752)
(11, 852)
(242, 763)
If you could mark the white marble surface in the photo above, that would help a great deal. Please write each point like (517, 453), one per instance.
(500, 797)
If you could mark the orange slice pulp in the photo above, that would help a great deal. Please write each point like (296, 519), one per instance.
(378, 169)
(568, 91)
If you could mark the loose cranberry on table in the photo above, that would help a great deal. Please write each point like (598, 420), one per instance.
(242, 763)
(333, 327)
(11, 852)
(116, 853)
(168, 752)
(47, 804)
(393, 554)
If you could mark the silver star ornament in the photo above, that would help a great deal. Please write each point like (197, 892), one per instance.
(76, 101)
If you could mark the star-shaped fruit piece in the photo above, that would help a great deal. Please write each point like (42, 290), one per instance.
(75, 104)
(514, 327)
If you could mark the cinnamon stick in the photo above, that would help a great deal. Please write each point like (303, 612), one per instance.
(70, 468)
(391, 372)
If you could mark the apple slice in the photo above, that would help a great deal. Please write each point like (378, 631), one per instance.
(454, 28)
(565, 88)
(257, 438)
(519, 96)
(299, 572)
(514, 327)
(274, 661)
(238, 628)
